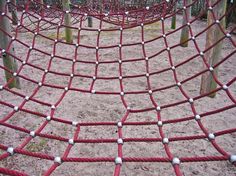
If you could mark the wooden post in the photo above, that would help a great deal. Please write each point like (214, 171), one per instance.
(185, 31)
(90, 21)
(41, 7)
(212, 56)
(67, 21)
(8, 61)
(173, 20)
(14, 13)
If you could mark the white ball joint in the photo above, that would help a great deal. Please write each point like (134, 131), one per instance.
(119, 125)
(159, 123)
(175, 161)
(74, 123)
(197, 117)
(10, 150)
(120, 141)
(225, 87)
(71, 141)
(1, 87)
(118, 161)
(232, 159)
(211, 136)
(165, 141)
(57, 160)
(32, 134)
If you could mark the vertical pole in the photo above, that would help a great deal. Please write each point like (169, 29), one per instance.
(173, 20)
(14, 13)
(67, 21)
(90, 21)
(41, 7)
(8, 61)
(213, 35)
(185, 31)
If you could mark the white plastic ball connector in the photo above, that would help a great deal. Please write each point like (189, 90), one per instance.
(211, 136)
(71, 75)
(120, 141)
(74, 123)
(120, 61)
(14, 74)
(165, 141)
(143, 42)
(128, 108)
(45, 71)
(197, 117)
(67, 11)
(48, 118)
(211, 69)
(118, 161)
(73, 60)
(99, 30)
(53, 107)
(120, 45)
(57, 160)
(79, 28)
(121, 29)
(173, 68)
(10, 150)
(55, 40)
(141, 24)
(147, 75)
(27, 98)
(147, 8)
(93, 91)
(32, 134)
(97, 47)
(160, 123)
(210, 8)
(179, 84)
(48, 6)
(164, 35)
(23, 62)
(146, 58)
(188, 23)
(201, 53)
(16, 108)
(162, 19)
(76, 45)
(193, 38)
(158, 108)
(36, 33)
(40, 84)
(176, 161)
(184, 7)
(225, 87)
(96, 62)
(190, 100)
(122, 93)
(228, 35)
(217, 21)
(85, 14)
(66, 89)
(168, 48)
(94, 78)
(71, 141)
(1, 87)
(120, 78)
(52, 56)
(150, 92)
(119, 125)
(13, 38)
(126, 12)
(232, 158)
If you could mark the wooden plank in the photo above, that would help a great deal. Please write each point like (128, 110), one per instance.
(213, 55)
(14, 13)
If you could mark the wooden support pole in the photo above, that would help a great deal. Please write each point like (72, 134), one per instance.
(8, 61)
(67, 21)
(212, 56)
(90, 21)
(14, 13)
(173, 20)
(41, 7)
(185, 31)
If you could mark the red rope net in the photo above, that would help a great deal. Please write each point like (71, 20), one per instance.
(122, 99)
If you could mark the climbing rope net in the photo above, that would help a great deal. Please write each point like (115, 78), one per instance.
(122, 98)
